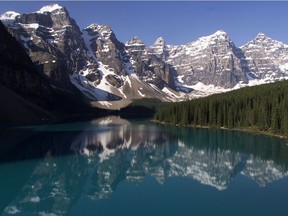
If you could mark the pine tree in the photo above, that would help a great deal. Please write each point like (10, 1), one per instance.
(263, 107)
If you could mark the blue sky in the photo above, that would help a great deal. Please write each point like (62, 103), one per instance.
(178, 22)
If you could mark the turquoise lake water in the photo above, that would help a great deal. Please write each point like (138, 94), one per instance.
(112, 166)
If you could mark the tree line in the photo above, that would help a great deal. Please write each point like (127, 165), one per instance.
(262, 108)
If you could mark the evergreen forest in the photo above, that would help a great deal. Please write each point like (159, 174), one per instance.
(261, 108)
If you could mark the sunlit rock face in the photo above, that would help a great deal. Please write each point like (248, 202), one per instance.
(105, 69)
(93, 60)
(149, 66)
(266, 58)
(53, 41)
(211, 60)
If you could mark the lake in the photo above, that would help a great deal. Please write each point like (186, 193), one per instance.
(113, 166)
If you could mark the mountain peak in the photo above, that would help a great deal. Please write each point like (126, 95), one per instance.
(220, 32)
(98, 27)
(135, 41)
(49, 8)
(261, 36)
(159, 42)
(219, 35)
(9, 15)
(92, 26)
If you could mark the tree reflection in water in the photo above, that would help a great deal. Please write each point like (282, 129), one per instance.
(91, 159)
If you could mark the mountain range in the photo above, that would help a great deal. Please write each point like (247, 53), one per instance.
(109, 73)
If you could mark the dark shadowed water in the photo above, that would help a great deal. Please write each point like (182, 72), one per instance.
(112, 166)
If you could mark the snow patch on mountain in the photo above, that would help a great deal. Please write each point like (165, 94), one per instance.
(173, 94)
(202, 90)
(202, 43)
(49, 8)
(30, 25)
(87, 39)
(128, 68)
(284, 67)
(105, 69)
(87, 88)
(8, 18)
(140, 93)
(9, 15)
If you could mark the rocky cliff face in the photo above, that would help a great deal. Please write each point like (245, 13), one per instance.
(19, 77)
(17, 72)
(211, 60)
(53, 41)
(105, 69)
(120, 69)
(93, 60)
(148, 66)
(266, 58)
(105, 47)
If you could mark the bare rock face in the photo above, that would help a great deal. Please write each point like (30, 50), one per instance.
(53, 41)
(211, 60)
(215, 60)
(101, 67)
(136, 50)
(114, 80)
(266, 58)
(160, 49)
(116, 62)
(148, 66)
(105, 47)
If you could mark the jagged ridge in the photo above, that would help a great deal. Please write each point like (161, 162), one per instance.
(105, 69)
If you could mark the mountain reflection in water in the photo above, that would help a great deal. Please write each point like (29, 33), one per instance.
(91, 159)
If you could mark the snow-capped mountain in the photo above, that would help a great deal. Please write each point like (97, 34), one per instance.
(93, 59)
(52, 39)
(267, 59)
(212, 60)
(107, 71)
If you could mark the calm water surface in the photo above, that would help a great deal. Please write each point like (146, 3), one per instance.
(112, 166)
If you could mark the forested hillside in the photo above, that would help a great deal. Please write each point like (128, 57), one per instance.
(263, 108)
